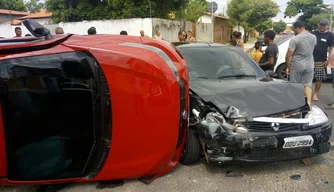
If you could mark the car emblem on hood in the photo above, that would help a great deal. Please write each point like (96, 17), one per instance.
(275, 126)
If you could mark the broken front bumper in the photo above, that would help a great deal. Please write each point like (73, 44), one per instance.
(222, 145)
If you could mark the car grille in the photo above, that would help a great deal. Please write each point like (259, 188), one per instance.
(278, 154)
(255, 126)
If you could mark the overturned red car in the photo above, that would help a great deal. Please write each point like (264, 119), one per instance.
(89, 108)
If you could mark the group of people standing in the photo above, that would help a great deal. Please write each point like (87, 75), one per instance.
(267, 59)
(90, 31)
(236, 40)
(183, 36)
(306, 57)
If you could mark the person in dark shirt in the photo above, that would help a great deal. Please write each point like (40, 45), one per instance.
(270, 55)
(325, 43)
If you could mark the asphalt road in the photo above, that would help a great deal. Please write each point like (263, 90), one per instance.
(268, 177)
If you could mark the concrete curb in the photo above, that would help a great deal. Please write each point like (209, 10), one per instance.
(332, 145)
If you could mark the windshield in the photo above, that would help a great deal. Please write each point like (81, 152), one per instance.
(219, 62)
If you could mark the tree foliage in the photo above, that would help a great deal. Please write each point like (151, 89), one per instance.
(251, 14)
(74, 10)
(194, 10)
(17, 5)
(261, 11)
(264, 26)
(309, 10)
(239, 11)
(279, 26)
(315, 19)
(34, 6)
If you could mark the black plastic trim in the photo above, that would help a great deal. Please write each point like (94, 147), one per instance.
(34, 48)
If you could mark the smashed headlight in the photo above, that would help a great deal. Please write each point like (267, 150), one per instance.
(316, 116)
(218, 118)
(215, 117)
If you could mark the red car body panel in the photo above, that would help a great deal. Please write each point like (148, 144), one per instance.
(145, 109)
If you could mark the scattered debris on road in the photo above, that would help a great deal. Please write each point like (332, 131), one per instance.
(295, 177)
(232, 175)
(307, 161)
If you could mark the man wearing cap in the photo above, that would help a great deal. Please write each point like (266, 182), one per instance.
(325, 43)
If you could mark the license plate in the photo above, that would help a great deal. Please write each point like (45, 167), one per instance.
(301, 141)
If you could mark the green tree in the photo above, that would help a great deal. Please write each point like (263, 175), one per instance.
(34, 6)
(239, 11)
(279, 26)
(74, 10)
(264, 26)
(315, 19)
(251, 13)
(194, 9)
(17, 5)
(261, 11)
(308, 9)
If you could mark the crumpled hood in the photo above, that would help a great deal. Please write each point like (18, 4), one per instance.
(251, 97)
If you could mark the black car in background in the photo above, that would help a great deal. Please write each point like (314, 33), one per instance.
(238, 113)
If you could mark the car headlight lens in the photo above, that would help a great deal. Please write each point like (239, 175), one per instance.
(316, 116)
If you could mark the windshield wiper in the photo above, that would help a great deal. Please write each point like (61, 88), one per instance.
(237, 76)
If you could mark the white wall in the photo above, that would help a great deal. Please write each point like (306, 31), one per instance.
(205, 19)
(44, 21)
(7, 30)
(132, 26)
(204, 32)
(169, 29)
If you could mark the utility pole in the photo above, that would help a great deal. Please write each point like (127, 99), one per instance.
(213, 25)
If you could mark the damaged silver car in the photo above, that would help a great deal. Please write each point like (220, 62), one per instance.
(239, 113)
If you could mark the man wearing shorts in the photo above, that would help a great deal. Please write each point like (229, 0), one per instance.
(299, 58)
(325, 43)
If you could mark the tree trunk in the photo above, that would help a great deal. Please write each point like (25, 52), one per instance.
(245, 37)
(194, 29)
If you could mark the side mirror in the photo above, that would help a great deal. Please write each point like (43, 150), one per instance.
(37, 29)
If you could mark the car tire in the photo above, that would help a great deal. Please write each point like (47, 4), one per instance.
(192, 149)
(280, 71)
